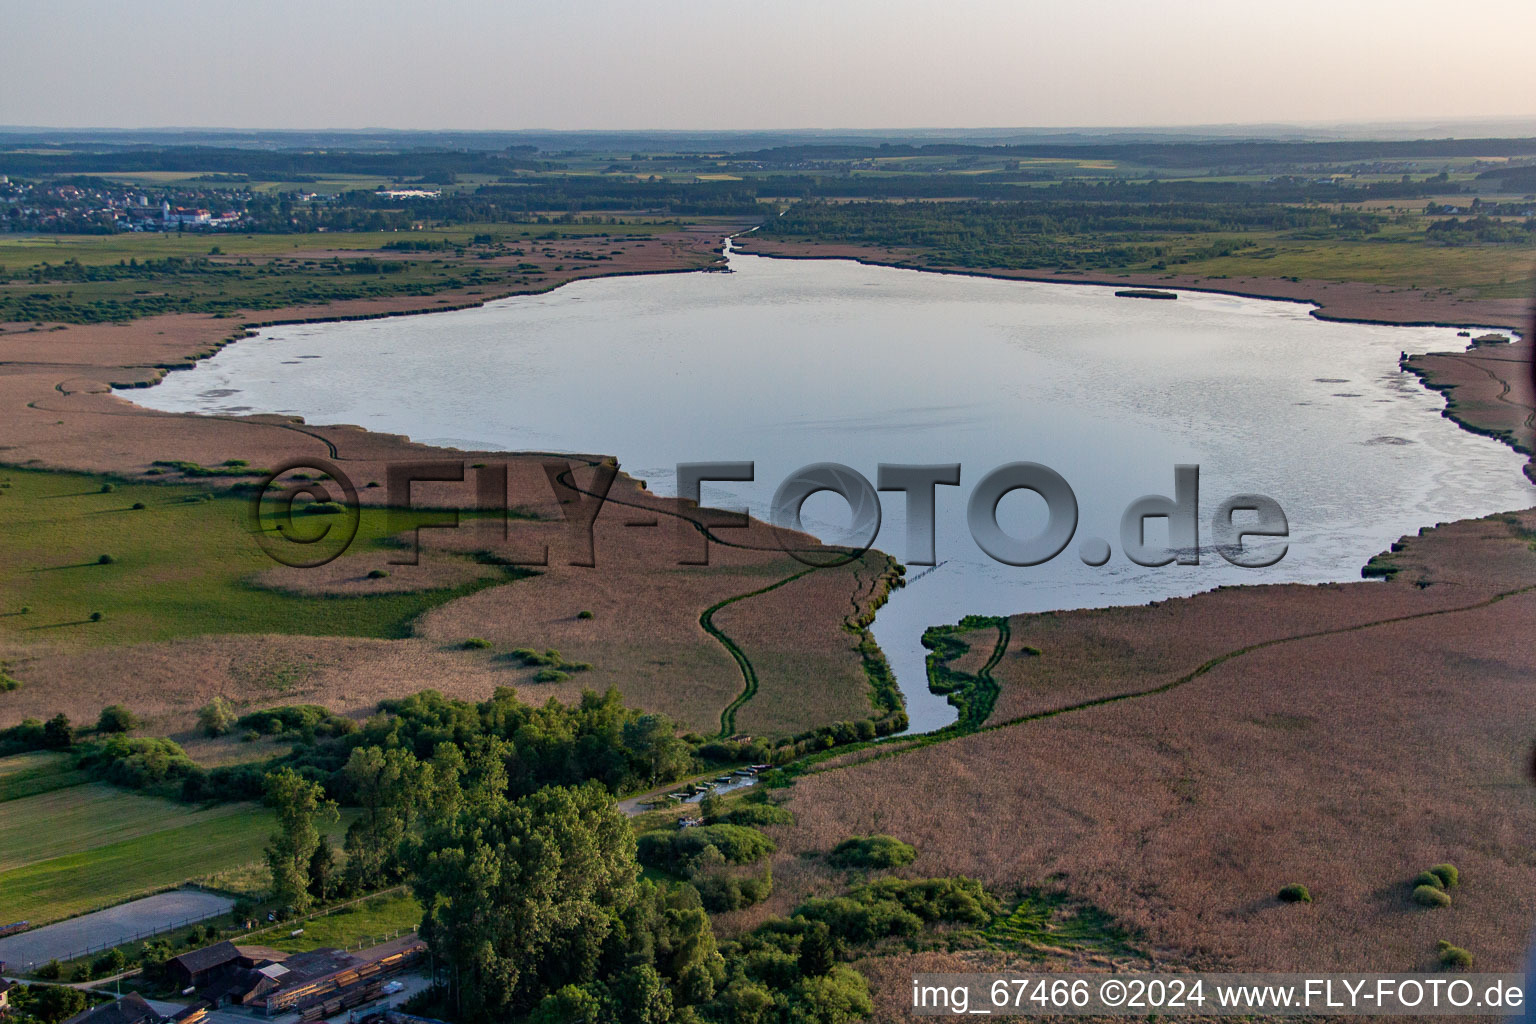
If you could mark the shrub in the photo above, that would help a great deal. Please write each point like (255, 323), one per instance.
(305, 719)
(1294, 893)
(680, 851)
(528, 656)
(110, 962)
(95, 616)
(139, 506)
(142, 763)
(878, 851)
(754, 815)
(550, 675)
(216, 717)
(1447, 874)
(1429, 896)
(1428, 878)
(53, 1003)
(28, 734)
(378, 574)
(105, 560)
(1030, 652)
(1453, 956)
(585, 615)
(26, 609)
(476, 643)
(116, 718)
(58, 734)
(107, 488)
(50, 971)
(721, 891)
(897, 907)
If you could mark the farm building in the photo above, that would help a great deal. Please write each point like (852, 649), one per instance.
(316, 983)
(325, 981)
(202, 966)
(5, 993)
(131, 1009)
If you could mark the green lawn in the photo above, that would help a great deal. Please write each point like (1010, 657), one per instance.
(372, 921)
(179, 568)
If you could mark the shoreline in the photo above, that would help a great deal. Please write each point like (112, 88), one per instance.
(916, 687)
(1478, 399)
(1499, 314)
(264, 438)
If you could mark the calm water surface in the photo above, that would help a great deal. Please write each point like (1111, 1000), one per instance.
(793, 362)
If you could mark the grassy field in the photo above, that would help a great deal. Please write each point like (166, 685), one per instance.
(364, 923)
(25, 775)
(77, 847)
(1492, 272)
(195, 843)
(117, 278)
(18, 252)
(49, 825)
(179, 568)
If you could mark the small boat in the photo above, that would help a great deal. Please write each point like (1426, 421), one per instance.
(1144, 293)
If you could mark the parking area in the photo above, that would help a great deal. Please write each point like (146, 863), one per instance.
(113, 926)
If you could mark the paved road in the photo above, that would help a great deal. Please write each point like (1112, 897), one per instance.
(110, 927)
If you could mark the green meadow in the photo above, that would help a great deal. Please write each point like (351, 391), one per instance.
(370, 921)
(78, 846)
(180, 565)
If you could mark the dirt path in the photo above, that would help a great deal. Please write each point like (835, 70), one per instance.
(1239, 652)
(748, 673)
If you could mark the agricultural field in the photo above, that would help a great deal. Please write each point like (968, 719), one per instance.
(88, 846)
(25, 775)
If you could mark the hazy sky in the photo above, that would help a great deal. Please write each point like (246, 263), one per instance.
(771, 64)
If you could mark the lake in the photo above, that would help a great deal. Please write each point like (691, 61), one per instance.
(787, 363)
